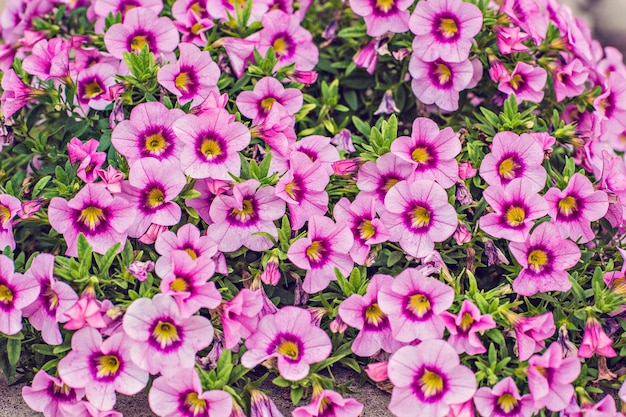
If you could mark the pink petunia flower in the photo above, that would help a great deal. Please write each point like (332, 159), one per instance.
(211, 144)
(267, 93)
(17, 291)
(550, 378)
(503, 400)
(316, 147)
(291, 42)
(55, 298)
(290, 337)
(526, 82)
(375, 179)
(92, 86)
(514, 157)
(573, 209)
(161, 339)
(325, 248)
(444, 29)
(382, 16)
(516, 207)
(148, 133)
(112, 179)
(364, 313)
(595, 340)
(418, 215)
(187, 239)
(48, 59)
(102, 368)
(225, 10)
(15, 94)
(181, 395)
(102, 8)
(431, 152)
(193, 77)
(439, 82)
(510, 39)
(193, 27)
(428, 379)
(251, 209)
(87, 311)
(531, 332)
(329, 404)
(141, 27)
(529, 16)
(90, 160)
(464, 326)
(367, 56)
(367, 229)
(240, 316)
(86, 409)
(151, 187)
(544, 258)
(9, 207)
(414, 304)
(569, 80)
(47, 394)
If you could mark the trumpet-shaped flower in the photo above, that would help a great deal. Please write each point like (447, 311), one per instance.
(428, 379)
(325, 248)
(382, 16)
(48, 59)
(431, 152)
(330, 404)
(48, 394)
(290, 337)
(418, 215)
(161, 339)
(414, 304)
(16, 293)
(544, 258)
(240, 316)
(90, 160)
(516, 207)
(9, 207)
(531, 332)
(595, 340)
(102, 368)
(267, 93)
(526, 82)
(187, 239)
(375, 179)
(92, 86)
(15, 94)
(464, 326)
(503, 400)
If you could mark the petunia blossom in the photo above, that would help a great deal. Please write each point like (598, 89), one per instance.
(240, 316)
(531, 332)
(503, 400)
(595, 340)
(187, 238)
(9, 207)
(47, 394)
(463, 328)
(382, 16)
(267, 93)
(526, 82)
(375, 179)
(329, 404)
(17, 291)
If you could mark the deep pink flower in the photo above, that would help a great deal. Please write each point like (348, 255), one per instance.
(276, 129)
(251, 209)
(382, 16)
(291, 42)
(240, 316)
(377, 371)
(503, 400)
(181, 395)
(550, 378)
(86, 409)
(268, 92)
(444, 29)
(428, 379)
(193, 27)
(17, 291)
(430, 151)
(573, 209)
(92, 85)
(510, 39)
(439, 82)
(414, 304)
(513, 157)
(9, 207)
(239, 52)
(141, 26)
(569, 80)
(211, 144)
(526, 82)
(187, 239)
(101, 368)
(48, 59)
(595, 340)
(112, 179)
(464, 326)
(55, 298)
(148, 133)
(102, 8)
(367, 57)
(363, 313)
(516, 207)
(290, 337)
(329, 404)
(162, 339)
(222, 9)
(529, 16)
(418, 215)
(531, 332)
(325, 248)
(47, 394)
(90, 160)
(193, 77)
(15, 94)
(544, 258)
(316, 147)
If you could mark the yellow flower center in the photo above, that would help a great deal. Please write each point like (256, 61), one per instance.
(108, 365)
(128, 7)
(420, 217)
(280, 45)
(444, 73)
(537, 259)
(374, 315)
(291, 189)
(515, 216)
(419, 304)
(466, 321)
(384, 5)
(179, 284)
(420, 155)
(324, 404)
(155, 143)
(289, 349)
(195, 404)
(315, 251)
(52, 297)
(543, 371)
(366, 230)
(91, 217)
(156, 197)
(138, 42)
(92, 90)
(507, 168)
(507, 402)
(5, 214)
(568, 205)
(247, 210)
(210, 148)
(267, 103)
(192, 253)
(431, 384)
(6, 295)
(390, 183)
(165, 333)
(62, 390)
(197, 8)
(448, 27)
(516, 81)
(196, 28)
(183, 81)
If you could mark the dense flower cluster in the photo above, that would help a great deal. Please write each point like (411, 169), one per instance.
(196, 194)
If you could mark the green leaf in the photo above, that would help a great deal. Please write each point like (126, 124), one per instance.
(296, 394)
(14, 349)
(84, 255)
(105, 261)
(394, 258)
(344, 284)
(279, 381)
(40, 185)
(358, 32)
(361, 126)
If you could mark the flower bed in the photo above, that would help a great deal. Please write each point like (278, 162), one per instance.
(200, 195)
